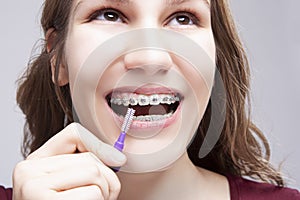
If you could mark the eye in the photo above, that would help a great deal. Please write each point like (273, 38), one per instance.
(183, 19)
(109, 15)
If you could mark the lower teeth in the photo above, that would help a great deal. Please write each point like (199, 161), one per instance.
(151, 118)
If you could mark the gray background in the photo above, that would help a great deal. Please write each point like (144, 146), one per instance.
(270, 31)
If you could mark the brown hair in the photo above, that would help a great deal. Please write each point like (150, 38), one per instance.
(242, 149)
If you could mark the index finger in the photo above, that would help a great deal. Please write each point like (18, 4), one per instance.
(74, 138)
(67, 141)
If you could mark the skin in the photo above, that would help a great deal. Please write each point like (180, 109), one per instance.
(137, 14)
(87, 172)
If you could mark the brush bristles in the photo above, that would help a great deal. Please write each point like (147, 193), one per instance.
(128, 120)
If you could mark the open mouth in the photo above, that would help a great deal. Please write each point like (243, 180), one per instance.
(148, 107)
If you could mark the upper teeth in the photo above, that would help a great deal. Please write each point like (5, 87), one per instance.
(127, 99)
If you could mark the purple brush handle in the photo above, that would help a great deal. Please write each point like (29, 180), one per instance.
(119, 144)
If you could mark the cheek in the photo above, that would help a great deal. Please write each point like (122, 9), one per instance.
(75, 58)
(201, 78)
(198, 79)
(206, 41)
(79, 46)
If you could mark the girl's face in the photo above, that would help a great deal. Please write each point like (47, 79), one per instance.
(167, 91)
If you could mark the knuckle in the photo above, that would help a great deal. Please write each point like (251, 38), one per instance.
(71, 130)
(96, 172)
(21, 168)
(115, 189)
(73, 127)
(30, 156)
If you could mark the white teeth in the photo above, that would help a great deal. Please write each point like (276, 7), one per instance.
(119, 101)
(154, 99)
(143, 100)
(165, 99)
(133, 101)
(127, 99)
(150, 118)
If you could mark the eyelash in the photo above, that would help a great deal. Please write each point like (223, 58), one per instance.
(186, 12)
(96, 13)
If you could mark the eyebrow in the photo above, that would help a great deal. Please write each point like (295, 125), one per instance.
(170, 3)
(122, 2)
(177, 2)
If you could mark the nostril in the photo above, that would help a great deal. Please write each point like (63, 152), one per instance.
(152, 69)
(151, 61)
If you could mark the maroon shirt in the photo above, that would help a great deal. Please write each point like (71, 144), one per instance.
(240, 189)
(5, 194)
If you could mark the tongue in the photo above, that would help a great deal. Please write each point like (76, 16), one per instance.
(150, 110)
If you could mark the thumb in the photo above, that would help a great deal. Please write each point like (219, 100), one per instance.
(106, 153)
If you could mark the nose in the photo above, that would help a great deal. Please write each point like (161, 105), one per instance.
(149, 61)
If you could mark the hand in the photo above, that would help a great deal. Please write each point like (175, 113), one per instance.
(56, 172)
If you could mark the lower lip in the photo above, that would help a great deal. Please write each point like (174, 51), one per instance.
(151, 125)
